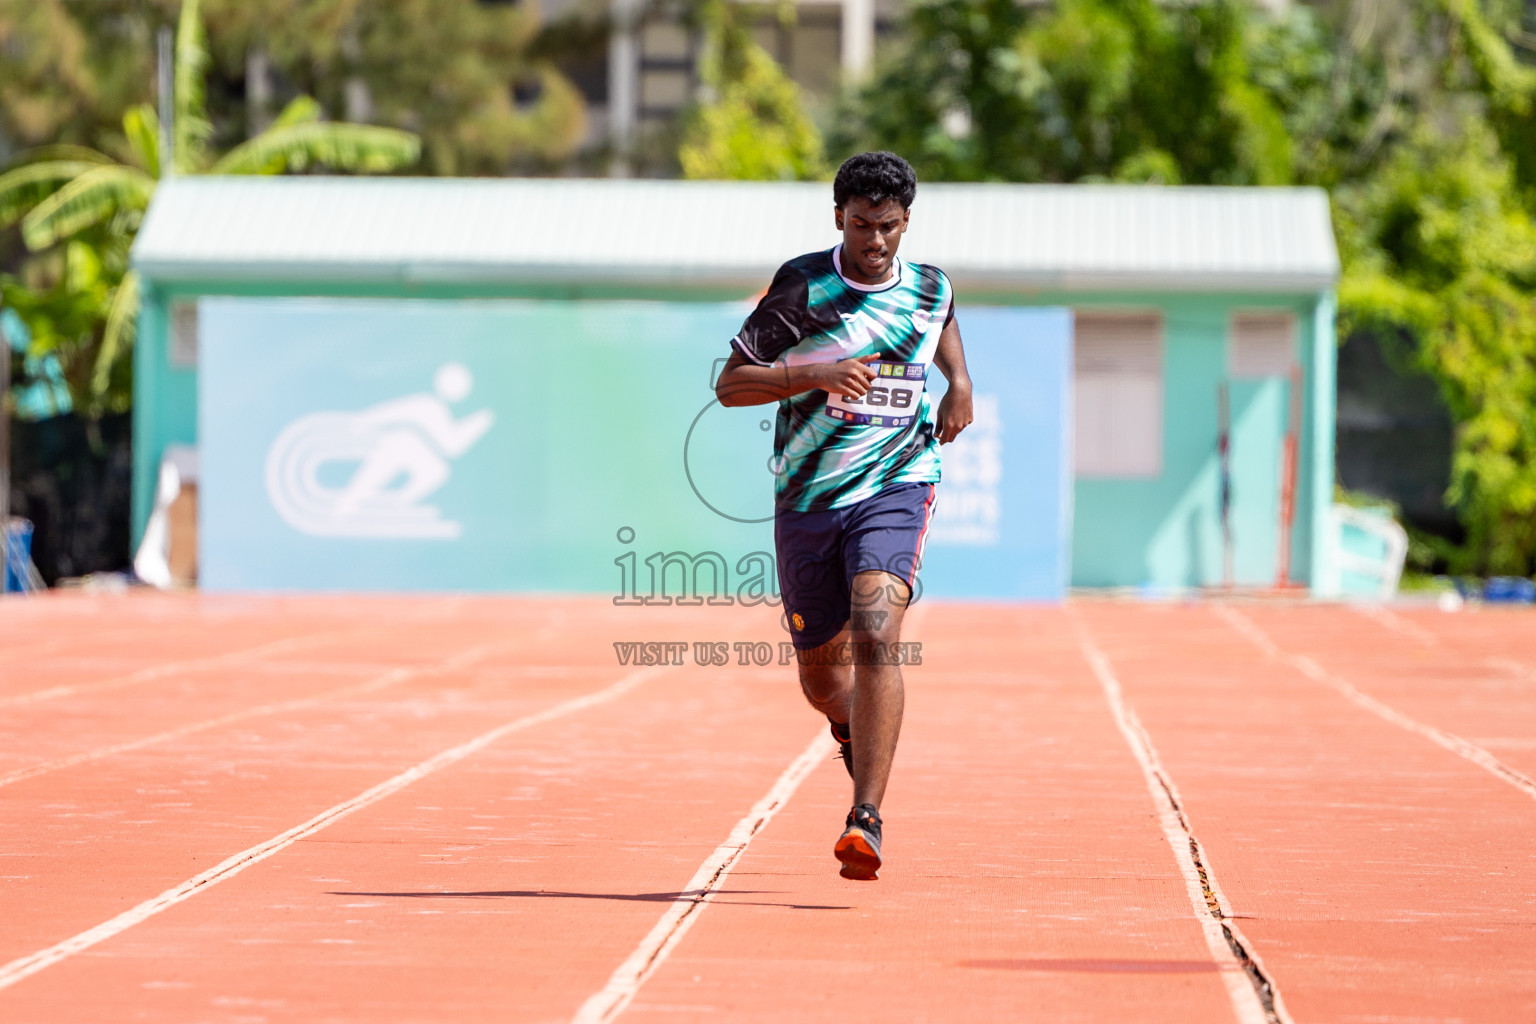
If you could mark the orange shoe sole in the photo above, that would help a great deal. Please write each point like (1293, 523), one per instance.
(860, 861)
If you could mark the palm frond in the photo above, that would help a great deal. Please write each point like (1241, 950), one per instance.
(118, 335)
(300, 110)
(89, 199)
(142, 126)
(83, 271)
(61, 152)
(191, 128)
(359, 148)
(24, 187)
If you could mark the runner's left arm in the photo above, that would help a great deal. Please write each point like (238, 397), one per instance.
(955, 410)
(755, 376)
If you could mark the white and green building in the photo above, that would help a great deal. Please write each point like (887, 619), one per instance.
(586, 317)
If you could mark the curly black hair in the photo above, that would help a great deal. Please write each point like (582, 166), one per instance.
(876, 177)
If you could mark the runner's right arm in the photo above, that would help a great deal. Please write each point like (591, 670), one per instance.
(744, 383)
(777, 324)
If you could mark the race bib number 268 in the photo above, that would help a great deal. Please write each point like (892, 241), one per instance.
(892, 398)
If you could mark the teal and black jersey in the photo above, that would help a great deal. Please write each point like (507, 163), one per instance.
(830, 451)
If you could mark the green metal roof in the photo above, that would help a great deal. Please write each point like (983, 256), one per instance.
(724, 234)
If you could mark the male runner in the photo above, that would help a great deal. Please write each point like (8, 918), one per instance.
(842, 341)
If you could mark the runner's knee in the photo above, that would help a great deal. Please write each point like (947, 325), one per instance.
(823, 683)
(879, 602)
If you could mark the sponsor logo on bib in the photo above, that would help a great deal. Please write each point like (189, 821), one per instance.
(891, 401)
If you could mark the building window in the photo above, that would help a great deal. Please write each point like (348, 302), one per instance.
(183, 347)
(1261, 345)
(1118, 394)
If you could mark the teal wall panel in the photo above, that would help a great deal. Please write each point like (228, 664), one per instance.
(165, 396)
(1314, 492)
(1166, 531)
(1162, 531)
(589, 407)
(164, 404)
(526, 445)
(1003, 519)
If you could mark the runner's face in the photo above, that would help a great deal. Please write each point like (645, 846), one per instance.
(871, 233)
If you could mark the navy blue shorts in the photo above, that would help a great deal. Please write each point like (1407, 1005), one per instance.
(820, 552)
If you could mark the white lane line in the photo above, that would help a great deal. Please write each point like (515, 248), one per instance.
(1253, 995)
(29, 965)
(48, 646)
(1450, 741)
(611, 1000)
(1398, 624)
(1511, 666)
(169, 669)
(389, 678)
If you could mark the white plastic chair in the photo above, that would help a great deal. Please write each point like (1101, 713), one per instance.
(178, 467)
(1368, 552)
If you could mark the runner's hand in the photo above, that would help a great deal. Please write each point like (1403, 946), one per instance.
(848, 377)
(954, 413)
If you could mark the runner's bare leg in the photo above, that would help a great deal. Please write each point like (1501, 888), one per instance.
(827, 684)
(879, 697)
(869, 696)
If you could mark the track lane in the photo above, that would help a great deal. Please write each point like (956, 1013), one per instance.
(1481, 709)
(99, 717)
(79, 844)
(1026, 876)
(1379, 876)
(1478, 632)
(89, 677)
(246, 712)
(36, 734)
(59, 641)
(93, 717)
(506, 886)
(27, 966)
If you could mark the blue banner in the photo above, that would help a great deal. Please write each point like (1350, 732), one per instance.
(359, 444)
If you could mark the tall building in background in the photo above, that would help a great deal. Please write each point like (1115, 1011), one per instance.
(648, 74)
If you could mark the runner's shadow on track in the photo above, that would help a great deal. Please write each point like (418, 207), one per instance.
(644, 897)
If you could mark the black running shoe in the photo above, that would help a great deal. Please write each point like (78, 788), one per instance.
(844, 744)
(859, 846)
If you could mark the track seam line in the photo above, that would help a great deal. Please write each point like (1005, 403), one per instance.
(1258, 1001)
(24, 967)
(1449, 740)
(49, 646)
(387, 679)
(1510, 665)
(174, 668)
(1396, 623)
(626, 981)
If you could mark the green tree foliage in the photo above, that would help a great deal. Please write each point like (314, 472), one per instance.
(67, 296)
(1078, 90)
(80, 209)
(1419, 116)
(1441, 251)
(462, 74)
(1432, 207)
(67, 71)
(751, 123)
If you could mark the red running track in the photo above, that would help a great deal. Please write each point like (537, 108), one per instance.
(456, 809)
